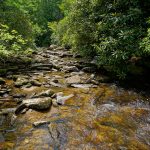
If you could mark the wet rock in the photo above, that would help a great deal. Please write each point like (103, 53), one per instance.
(35, 83)
(36, 103)
(70, 69)
(58, 132)
(21, 81)
(83, 86)
(28, 85)
(61, 99)
(2, 81)
(40, 123)
(47, 93)
(56, 84)
(54, 102)
(74, 79)
(76, 73)
(53, 131)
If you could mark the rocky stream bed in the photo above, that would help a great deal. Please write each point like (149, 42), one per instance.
(60, 102)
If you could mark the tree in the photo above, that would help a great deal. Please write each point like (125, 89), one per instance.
(112, 30)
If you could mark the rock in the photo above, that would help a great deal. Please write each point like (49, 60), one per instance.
(54, 102)
(83, 86)
(58, 131)
(47, 93)
(2, 81)
(4, 91)
(35, 83)
(59, 48)
(76, 73)
(89, 69)
(51, 47)
(56, 84)
(53, 131)
(21, 81)
(24, 110)
(41, 66)
(28, 85)
(36, 103)
(70, 69)
(74, 79)
(40, 123)
(61, 99)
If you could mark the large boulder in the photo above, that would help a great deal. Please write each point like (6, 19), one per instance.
(35, 103)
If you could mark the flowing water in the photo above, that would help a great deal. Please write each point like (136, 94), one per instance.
(103, 117)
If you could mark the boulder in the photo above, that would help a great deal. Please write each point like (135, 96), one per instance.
(35, 83)
(73, 80)
(70, 69)
(61, 99)
(21, 81)
(36, 103)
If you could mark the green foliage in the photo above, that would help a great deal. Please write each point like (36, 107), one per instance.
(145, 44)
(112, 30)
(24, 23)
(11, 43)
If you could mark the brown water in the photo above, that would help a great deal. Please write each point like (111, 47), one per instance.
(104, 118)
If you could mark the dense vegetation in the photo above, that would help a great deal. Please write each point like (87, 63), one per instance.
(23, 24)
(116, 33)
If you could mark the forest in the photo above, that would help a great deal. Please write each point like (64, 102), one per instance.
(116, 33)
(74, 74)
